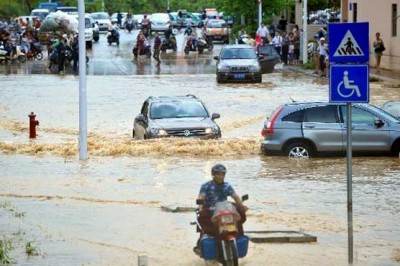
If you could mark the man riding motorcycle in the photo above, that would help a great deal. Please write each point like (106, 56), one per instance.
(214, 191)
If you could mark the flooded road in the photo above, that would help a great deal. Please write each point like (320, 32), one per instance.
(107, 210)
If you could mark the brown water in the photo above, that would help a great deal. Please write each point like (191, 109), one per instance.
(107, 210)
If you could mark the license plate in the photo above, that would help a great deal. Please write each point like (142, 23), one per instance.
(238, 76)
(217, 37)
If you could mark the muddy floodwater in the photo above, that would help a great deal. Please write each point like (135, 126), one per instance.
(107, 210)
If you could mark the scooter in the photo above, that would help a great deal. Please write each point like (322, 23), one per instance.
(189, 47)
(227, 246)
(202, 42)
(36, 51)
(169, 44)
(146, 51)
(113, 36)
(129, 26)
(17, 55)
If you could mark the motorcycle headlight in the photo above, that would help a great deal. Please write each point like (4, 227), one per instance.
(227, 219)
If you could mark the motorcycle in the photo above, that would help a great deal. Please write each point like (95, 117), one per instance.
(129, 26)
(36, 51)
(113, 36)
(68, 58)
(227, 246)
(146, 51)
(189, 47)
(17, 55)
(205, 44)
(169, 44)
(243, 39)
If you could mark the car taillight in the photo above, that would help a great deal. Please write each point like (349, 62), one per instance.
(269, 129)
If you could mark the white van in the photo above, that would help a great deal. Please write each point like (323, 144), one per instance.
(41, 13)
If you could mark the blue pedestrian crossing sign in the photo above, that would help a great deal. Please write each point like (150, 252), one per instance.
(349, 84)
(349, 42)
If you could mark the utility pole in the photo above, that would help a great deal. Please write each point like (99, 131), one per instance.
(305, 30)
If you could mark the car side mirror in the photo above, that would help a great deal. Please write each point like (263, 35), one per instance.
(260, 57)
(141, 118)
(216, 57)
(245, 197)
(215, 116)
(379, 123)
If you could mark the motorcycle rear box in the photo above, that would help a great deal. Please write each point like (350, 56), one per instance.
(208, 248)
(242, 245)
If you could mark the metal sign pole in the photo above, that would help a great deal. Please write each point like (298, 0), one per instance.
(82, 83)
(349, 185)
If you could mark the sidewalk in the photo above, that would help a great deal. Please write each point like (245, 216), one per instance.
(384, 75)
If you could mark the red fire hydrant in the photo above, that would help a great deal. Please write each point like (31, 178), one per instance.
(32, 125)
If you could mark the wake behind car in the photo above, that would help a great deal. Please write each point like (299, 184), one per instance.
(175, 116)
(302, 130)
(238, 63)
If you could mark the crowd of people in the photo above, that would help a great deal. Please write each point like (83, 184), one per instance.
(19, 32)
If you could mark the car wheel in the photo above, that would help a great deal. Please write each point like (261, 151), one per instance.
(186, 50)
(396, 149)
(299, 150)
(96, 39)
(259, 80)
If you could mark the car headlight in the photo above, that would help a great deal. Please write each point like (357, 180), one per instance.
(158, 132)
(254, 68)
(223, 68)
(211, 130)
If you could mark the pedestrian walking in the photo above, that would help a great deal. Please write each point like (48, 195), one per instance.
(75, 53)
(379, 47)
(322, 56)
(263, 32)
(157, 48)
(285, 48)
(277, 42)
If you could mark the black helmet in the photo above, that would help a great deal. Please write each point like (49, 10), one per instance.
(218, 168)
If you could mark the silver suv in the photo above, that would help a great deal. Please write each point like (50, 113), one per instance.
(308, 129)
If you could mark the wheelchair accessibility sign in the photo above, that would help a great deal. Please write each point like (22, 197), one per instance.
(349, 83)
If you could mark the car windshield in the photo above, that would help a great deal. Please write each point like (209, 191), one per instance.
(177, 109)
(238, 54)
(387, 116)
(88, 25)
(216, 24)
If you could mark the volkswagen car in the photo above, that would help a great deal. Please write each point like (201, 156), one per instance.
(175, 116)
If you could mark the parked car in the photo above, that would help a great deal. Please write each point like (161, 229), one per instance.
(175, 116)
(160, 22)
(238, 63)
(392, 108)
(102, 19)
(302, 130)
(91, 31)
(217, 30)
(270, 57)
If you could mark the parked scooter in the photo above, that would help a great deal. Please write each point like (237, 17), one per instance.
(144, 51)
(228, 245)
(169, 44)
(113, 36)
(129, 25)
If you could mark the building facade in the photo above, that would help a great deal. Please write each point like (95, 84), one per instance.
(383, 17)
